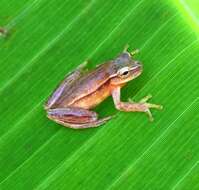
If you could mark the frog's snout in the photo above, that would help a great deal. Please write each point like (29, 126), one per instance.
(138, 65)
(137, 68)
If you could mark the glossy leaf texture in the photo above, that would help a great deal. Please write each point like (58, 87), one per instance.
(46, 40)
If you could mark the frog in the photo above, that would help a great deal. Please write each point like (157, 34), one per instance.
(72, 101)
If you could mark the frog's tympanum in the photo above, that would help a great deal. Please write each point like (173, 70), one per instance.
(80, 91)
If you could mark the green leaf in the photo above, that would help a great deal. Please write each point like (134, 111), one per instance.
(46, 40)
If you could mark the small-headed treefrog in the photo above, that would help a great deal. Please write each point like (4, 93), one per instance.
(70, 103)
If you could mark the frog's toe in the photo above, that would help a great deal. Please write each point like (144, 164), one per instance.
(131, 100)
(148, 112)
(126, 47)
(150, 105)
(104, 120)
(146, 98)
(156, 106)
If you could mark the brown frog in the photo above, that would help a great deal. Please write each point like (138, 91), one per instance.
(80, 91)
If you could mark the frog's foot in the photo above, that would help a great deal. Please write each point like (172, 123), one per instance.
(76, 118)
(143, 102)
(132, 106)
(134, 52)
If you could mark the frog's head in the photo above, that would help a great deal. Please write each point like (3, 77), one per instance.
(126, 68)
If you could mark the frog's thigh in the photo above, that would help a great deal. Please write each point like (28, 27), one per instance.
(72, 115)
(77, 118)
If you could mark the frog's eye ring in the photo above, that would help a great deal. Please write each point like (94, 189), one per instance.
(124, 72)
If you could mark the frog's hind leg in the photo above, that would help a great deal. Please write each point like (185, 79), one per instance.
(92, 124)
(65, 85)
(76, 118)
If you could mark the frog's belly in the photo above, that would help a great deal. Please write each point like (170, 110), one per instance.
(93, 99)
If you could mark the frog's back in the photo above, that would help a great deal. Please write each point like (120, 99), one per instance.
(88, 84)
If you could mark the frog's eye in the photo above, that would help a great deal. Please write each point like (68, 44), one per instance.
(123, 72)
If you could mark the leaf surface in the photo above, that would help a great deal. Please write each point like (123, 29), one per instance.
(46, 40)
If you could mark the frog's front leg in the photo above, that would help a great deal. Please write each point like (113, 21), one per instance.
(141, 106)
(77, 118)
